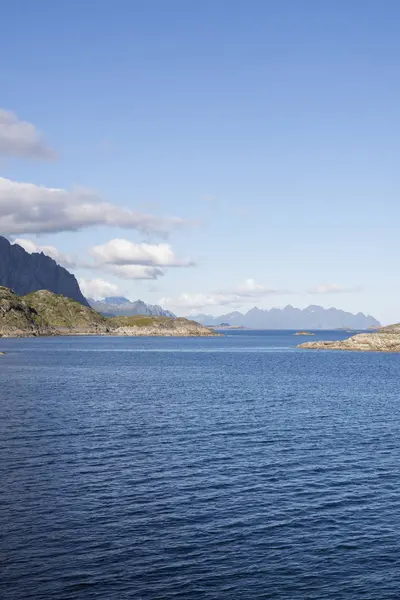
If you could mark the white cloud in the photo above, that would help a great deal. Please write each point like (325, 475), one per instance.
(20, 138)
(62, 259)
(332, 288)
(98, 288)
(124, 252)
(121, 271)
(235, 297)
(29, 208)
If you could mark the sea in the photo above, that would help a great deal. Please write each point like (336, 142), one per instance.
(234, 467)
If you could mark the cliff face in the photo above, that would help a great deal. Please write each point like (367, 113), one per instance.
(19, 319)
(25, 273)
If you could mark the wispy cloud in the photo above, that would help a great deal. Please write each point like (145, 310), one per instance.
(237, 296)
(130, 271)
(23, 139)
(333, 288)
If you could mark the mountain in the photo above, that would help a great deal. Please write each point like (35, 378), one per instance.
(122, 307)
(25, 273)
(44, 313)
(312, 317)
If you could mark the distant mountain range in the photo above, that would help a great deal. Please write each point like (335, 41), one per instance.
(25, 273)
(122, 307)
(312, 317)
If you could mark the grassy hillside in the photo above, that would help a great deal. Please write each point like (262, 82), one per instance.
(137, 321)
(17, 317)
(60, 312)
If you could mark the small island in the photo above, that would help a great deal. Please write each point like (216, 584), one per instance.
(304, 333)
(385, 339)
(43, 313)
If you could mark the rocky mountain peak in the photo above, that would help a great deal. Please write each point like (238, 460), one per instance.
(25, 273)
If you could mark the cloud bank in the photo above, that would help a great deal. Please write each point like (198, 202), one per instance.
(29, 208)
(20, 138)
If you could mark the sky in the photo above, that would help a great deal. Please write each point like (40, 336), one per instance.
(207, 156)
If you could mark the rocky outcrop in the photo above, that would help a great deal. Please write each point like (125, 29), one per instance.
(18, 319)
(65, 315)
(25, 273)
(304, 333)
(386, 339)
(45, 313)
(159, 326)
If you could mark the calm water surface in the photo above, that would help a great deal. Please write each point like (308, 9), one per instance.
(228, 468)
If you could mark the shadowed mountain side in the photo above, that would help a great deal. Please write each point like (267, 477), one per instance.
(25, 273)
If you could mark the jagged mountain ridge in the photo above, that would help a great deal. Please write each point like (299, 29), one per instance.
(25, 273)
(312, 317)
(122, 307)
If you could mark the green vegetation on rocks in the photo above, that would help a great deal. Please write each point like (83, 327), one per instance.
(45, 313)
(66, 314)
(164, 326)
(18, 319)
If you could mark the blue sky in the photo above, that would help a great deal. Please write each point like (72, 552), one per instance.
(270, 129)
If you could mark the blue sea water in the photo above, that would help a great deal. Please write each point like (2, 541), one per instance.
(235, 467)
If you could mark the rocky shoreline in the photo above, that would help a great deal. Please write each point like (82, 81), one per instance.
(385, 339)
(46, 314)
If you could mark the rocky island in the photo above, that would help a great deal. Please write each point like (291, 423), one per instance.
(43, 313)
(385, 339)
(304, 333)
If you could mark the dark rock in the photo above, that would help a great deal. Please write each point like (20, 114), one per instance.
(25, 273)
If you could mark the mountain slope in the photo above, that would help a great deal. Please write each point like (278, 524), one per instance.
(25, 273)
(64, 313)
(119, 306)
(17, 318)
(312, 317)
